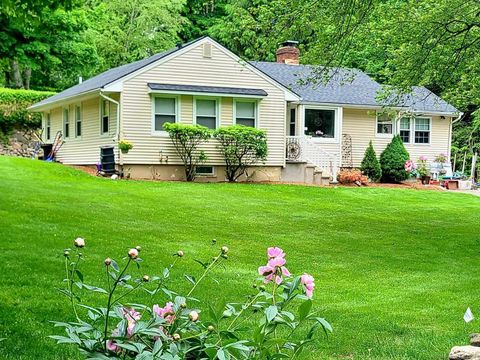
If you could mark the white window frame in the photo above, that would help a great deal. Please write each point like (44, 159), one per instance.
(106, 133)
(65, 121)
(48, 126)
(217, 108)
(338, 123)
(177, 112)
(256, 106)
(381, 135)
(429, 118)
(412, 121)
(76, 121)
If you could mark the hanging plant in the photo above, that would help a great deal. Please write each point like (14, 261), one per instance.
(125, 146)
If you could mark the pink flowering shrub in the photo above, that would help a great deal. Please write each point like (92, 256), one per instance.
(173, 326)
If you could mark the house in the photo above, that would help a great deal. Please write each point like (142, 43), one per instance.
(313, 129)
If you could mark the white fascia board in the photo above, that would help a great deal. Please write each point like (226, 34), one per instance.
(289, 95)
(377, 107)
(199, 93)
(65, 100)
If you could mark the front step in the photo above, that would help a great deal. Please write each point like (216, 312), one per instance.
(303, 172)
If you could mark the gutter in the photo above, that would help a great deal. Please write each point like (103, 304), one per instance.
(38, 107)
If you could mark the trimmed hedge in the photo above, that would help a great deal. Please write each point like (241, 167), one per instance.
(13, 109)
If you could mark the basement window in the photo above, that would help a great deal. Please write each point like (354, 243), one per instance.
(205, 170)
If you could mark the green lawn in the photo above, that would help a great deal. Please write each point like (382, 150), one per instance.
(395, 269)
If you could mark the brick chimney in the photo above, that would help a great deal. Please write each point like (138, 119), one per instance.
(288, 53)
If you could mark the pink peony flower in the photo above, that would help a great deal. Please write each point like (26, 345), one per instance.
(275, 269)
(166, 312)
(132, 317)
(423, 158)
(308, 281)
(275, 252)
(111, 344)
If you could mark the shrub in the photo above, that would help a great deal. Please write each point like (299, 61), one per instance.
(353, 176)
(173, 326)
(13, 109)
(370, 165)
(392, 161)
(241, 147)
(186, 139)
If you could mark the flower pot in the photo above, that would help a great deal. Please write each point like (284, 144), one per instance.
(426, 180)
(124, 151)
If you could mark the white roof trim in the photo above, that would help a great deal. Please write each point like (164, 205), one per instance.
(200, 93)
(118, 84)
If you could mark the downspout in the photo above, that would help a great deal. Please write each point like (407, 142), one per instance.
(117, 129)
(450, 133)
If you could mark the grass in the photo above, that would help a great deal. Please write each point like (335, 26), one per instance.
(395, 269)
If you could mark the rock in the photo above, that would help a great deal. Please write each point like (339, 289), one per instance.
(475, 339)
(467, 352)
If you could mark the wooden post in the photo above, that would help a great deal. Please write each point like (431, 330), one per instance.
(454, 162)
(464, 160)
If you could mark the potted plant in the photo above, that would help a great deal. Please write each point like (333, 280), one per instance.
(423, 170)
(441, 159)
(125, 146)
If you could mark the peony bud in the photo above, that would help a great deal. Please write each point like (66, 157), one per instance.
(176, 336)
(66, 253)
(108, 262)
(210, 328)
(133, 253)
(179, 253)
(183, 305)
(224, 249)
(146, 278)
(262, 288)
(79, 242)
(193, 316)
(138, 248)
(254, 286)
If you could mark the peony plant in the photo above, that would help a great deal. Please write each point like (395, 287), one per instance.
(274, 321)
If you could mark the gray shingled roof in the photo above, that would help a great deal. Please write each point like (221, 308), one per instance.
(101, 80)
(208, 89)
(347, 86)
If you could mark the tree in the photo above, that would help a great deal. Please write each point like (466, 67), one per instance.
(392, 161)
(186, 139)
(241, 147)
(200, 16)
(370, 165)
(124, 31)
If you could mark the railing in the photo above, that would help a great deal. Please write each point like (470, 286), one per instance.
(303, 148)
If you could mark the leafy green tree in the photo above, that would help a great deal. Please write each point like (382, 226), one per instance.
(186, 139)
(370, 165)
(200, 16)
(241, 147)
(124, 31)
(392, 161)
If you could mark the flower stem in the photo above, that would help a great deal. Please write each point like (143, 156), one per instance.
(109, 302)
(207, 270)
(243, 309)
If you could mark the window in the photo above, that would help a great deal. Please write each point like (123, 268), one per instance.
(78, 121)
(292, 121)
(48, 127)
(205, 170)
(384, 124)
(245, 113)
(320, 123)
(422, 131)
(66, 123)
(165, 111)
(405, 130)
(105, 117)
(206, 113)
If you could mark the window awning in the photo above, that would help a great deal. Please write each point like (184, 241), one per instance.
(206, 90)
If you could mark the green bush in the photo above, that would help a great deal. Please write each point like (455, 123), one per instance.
(241, 147)
(13, 109)
(370, 165)
(186, 139)
(392, 161)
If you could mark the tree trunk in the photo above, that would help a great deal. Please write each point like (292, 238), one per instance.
(27, 74)
(16, 75)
